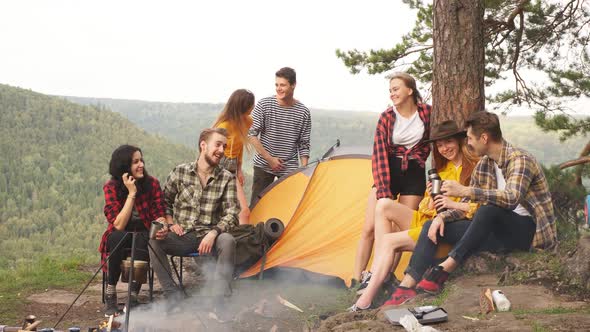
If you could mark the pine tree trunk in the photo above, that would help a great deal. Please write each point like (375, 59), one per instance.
(459, 61)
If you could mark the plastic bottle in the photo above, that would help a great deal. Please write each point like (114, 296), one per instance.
(500, 300)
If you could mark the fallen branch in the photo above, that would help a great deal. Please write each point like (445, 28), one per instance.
(288, 304)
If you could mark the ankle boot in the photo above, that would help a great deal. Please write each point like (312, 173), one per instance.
(135, 288)
(111, 305)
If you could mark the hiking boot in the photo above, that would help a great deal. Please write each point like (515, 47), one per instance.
(111, 305)
(365, 278)
(433, 281)
(133, 299)
(401, 296)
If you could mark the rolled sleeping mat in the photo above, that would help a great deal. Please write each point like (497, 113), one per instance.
(273, 228)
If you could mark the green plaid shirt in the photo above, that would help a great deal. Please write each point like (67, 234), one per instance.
(525, 184)
(193, 206)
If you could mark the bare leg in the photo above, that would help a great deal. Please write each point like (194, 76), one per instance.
(244, 215)
(365, 246)
(411, 201)
(408, 281)
(390, 244)
(449, 265)
(388, 214)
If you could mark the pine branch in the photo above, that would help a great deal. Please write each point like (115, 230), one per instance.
(575, 162)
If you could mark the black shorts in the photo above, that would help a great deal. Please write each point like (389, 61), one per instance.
(410, 182)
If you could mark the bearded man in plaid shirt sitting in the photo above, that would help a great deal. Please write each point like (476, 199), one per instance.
(516, 212)
(201, 207)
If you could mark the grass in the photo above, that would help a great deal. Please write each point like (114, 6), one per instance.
(44, 272)
(441, 298)
(539, 328)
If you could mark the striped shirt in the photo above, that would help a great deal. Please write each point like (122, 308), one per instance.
(284, 132)
(525, 184)
(193, 206)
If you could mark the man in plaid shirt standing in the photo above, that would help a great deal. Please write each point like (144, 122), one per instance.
(516, 212)
(201, 207)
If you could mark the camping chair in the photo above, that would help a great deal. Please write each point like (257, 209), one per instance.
(150, 282)
(178, 270)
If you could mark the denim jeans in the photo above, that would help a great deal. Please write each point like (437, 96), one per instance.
(492, 229)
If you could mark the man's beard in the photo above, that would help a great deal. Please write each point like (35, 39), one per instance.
(210, 161)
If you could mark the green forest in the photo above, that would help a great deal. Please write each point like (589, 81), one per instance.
(182, 122)
(54, 162)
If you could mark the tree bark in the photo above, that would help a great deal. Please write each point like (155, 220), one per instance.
(459, 60)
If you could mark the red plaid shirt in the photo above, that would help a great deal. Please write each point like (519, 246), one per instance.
(149, 206)
(383, 148)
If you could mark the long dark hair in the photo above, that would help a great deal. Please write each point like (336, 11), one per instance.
(233, 112)
(120, 164)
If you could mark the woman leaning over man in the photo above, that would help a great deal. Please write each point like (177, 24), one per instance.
(236, 119)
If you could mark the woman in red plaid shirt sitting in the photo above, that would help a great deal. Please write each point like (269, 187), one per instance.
(133, 199)
(400, 151)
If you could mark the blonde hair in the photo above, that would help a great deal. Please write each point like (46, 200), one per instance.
(409, 82)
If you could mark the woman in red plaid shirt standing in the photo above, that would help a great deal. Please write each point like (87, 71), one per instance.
(400, 151)
(133, 199)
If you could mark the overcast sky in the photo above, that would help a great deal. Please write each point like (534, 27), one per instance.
(197, 51)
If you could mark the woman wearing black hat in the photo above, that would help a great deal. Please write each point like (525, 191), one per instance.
(453, 162)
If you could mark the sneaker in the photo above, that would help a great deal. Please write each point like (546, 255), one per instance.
(111, 305)
(433, 280)
(401, 296)
(365, 278)
(390, 284)
(356, 308)
(133, 299)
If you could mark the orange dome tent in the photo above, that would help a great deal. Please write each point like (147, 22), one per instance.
(323, 209)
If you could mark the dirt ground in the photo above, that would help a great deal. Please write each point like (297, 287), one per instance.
(256, 307)
(534, 308)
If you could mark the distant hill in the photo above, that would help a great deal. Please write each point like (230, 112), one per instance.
(181, 123)
(54, 161)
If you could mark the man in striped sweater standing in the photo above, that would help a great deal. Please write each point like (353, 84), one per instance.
(280, 133)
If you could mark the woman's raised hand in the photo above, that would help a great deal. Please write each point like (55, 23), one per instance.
(129, 182)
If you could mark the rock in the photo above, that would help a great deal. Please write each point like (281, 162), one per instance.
(578, 266)
(476, 264)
